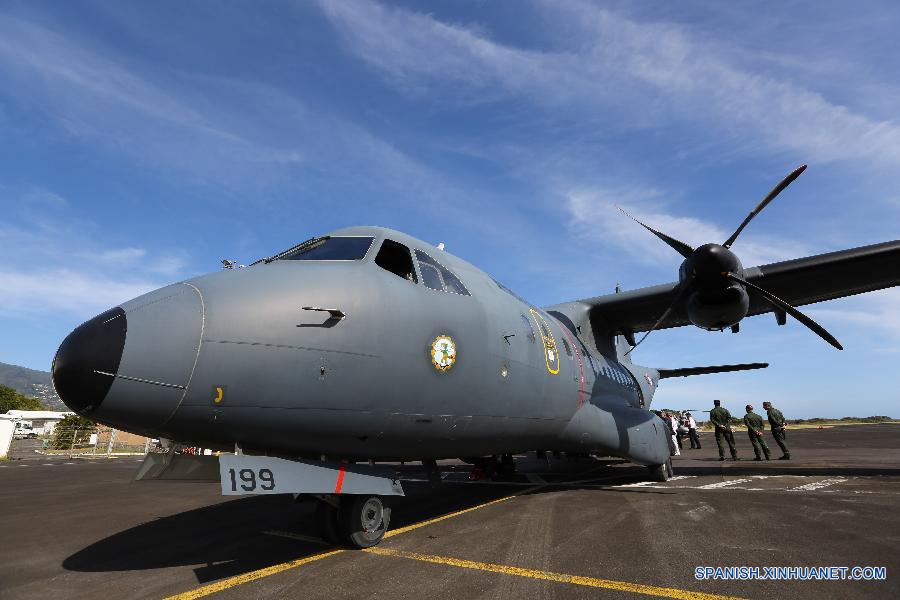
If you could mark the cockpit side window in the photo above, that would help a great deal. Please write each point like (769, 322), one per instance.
(438, 277)
(395, 257)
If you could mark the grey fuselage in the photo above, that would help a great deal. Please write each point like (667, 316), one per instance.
(232, 358)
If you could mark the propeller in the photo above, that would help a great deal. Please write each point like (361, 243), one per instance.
(775, 300)
(679, 246)
(765, 201)
(712, 288)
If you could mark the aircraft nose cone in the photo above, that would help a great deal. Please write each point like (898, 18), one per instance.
(88, 360)
(130, 367)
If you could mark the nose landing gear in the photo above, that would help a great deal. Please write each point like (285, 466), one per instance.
(662, 472)
(358, 521)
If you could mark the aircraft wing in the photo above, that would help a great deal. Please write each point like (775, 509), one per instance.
(800, 281)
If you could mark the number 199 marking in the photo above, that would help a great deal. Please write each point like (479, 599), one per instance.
(248, 479)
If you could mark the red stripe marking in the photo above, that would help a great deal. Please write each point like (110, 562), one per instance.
(340, 480)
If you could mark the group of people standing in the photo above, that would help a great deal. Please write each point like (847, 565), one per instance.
(721, 420)
(676, 425)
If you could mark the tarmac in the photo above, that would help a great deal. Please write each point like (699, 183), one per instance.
(587, 528)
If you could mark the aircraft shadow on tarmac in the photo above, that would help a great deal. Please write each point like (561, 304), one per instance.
(228, 538)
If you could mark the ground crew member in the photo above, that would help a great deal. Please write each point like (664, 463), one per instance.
(721, 420)
(754, 425)
(777, 424)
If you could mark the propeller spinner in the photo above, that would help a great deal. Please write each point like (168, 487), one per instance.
(711, 285)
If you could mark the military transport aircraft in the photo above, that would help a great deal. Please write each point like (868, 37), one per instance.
(365, 345)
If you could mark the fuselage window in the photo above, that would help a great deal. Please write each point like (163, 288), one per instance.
(332, 248)
(438, 277)
(395, 257)
(529, 330)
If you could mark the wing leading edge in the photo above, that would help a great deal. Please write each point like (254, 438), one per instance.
(799, 282)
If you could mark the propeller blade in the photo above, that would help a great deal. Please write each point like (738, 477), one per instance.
(677, 245)
(778, 302)
(685, 286)
(765, 201)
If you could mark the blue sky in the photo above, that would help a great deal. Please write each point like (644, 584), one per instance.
(140, 143)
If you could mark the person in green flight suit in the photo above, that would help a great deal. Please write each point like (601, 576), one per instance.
(777, 425)
(754, 425)
(721, 418)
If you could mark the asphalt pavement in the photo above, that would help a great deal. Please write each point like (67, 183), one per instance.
(80, 528)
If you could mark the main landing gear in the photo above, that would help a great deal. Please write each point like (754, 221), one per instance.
(358, 521)
(662, 472)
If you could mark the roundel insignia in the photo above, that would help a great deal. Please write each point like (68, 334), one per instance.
(443, 352)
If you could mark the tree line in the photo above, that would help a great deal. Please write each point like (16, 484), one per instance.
(10, 399)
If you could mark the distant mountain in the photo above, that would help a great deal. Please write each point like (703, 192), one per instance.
(30, 382)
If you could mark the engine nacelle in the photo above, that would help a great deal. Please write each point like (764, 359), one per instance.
(714, 302)
(717, 309)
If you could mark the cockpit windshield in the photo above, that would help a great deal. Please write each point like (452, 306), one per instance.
(330, 248)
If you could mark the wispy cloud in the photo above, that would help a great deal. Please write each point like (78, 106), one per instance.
(654, 72)
(57, 265)
(64, 290)
(874, 314)
(594, 217)
(92, 95)
(233, 133)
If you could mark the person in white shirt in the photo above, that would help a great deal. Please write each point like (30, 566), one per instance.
(692, 432)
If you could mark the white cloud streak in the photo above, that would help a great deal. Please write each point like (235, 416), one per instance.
(55, 265)
(875, 314)
(222, 132)
(63, 290)
(653, 72)
(593, 217)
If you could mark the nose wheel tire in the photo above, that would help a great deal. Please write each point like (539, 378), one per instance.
(364, 520)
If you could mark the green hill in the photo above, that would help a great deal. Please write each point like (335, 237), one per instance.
(32, 383)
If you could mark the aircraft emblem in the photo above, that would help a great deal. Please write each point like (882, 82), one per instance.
(551, 351)
(443, 352)
(649, 380)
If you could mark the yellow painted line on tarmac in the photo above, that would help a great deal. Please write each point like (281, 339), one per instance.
(393, 532)
(621, 586)
(224, 584)
(243, 578)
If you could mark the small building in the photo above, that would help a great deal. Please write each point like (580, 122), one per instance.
(42, 421)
